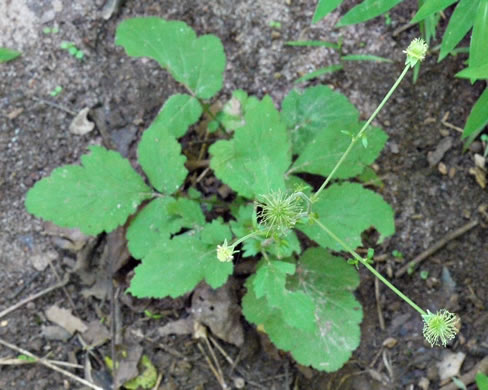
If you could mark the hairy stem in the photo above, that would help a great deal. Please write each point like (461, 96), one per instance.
(370, 268)
(361, 132)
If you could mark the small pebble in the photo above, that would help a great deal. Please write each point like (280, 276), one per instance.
(442, 168)
(424, 383)
(239, 383)
(452, 172)
(476, 147)
(390, 342)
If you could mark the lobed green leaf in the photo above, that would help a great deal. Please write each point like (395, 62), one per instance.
(296, 307)
(174, 267)
(158, 220)
(321, 155)
(328, 281)
(347, 210)
(306, 113)
(255, 160)
(197, 63)
(95, 197)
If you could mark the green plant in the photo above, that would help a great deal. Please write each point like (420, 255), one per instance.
(72, 49)
(303, 299)
(56, 91)
(8, 54)
(468, 14)
(335, 67)
(482, 381)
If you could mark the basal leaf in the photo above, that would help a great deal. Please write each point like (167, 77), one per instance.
(477, 119)
(95, 197)
(347, 210)
(306, 113)
(178, 265)
(178, 113)
(8, 54)
(323, 8)
(297, 308)
(328, 281)
(366, 10)
(232, 115)
(159, 154)
(198, 63)
(255, 160)
(430, 7)
(478, 49)
(155, 223)
(460, 23)
(321, 154)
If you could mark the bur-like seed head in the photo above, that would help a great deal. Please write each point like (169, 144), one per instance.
(280, 212)
(225, 252)
(416, 52)
(440, 328)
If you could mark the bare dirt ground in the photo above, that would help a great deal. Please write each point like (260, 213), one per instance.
(427, 183)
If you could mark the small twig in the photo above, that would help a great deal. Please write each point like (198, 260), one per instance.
(202, 175)
(450, 125)
(378, 303)
(470, 376)
(158, 381)
(212, 367)
(222, 351)
(68, 297)
(425, 254)
(402, 29)
(26, 283)
(50, 365)
(20, 362)
(34, 297)
(55, 105)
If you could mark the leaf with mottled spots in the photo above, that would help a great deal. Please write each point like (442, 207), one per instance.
(95, 197)
(328, 281)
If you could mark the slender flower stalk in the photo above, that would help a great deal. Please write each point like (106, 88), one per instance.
(370, 268)
(360, 134)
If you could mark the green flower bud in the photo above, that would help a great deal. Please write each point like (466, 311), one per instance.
(416, 52)
(440, 328)
(280, 212)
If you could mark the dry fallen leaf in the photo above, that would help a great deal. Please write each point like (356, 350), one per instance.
(81, 125)
(218, 309)
(450, 365)
(65, 319)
